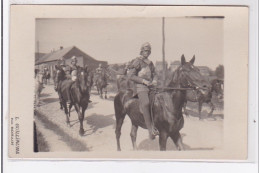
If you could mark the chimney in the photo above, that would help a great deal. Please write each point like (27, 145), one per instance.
(61, 47)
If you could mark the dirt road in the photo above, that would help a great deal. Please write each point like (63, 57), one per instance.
(99, 126)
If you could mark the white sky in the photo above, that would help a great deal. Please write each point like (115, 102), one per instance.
(119, 40)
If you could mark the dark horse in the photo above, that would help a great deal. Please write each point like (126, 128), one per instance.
(58, 75)
(79, 91)
(101, 83)
(166, 109)
(204, 97)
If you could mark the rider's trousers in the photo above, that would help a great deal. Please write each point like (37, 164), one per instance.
(145, 106)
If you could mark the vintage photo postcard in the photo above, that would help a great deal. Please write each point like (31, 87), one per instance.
(128, 82)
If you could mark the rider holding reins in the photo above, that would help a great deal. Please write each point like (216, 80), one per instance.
(142, 72)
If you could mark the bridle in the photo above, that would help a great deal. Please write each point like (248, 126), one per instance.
(81, 73)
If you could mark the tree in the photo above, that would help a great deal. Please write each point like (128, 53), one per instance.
(220, 71)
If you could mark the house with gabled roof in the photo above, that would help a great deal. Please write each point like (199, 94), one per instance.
(51, 59)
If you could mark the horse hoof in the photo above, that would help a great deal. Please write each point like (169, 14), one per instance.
(81, 132)
(119, 149)
(105, 97)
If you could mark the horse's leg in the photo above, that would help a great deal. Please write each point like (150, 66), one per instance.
(67, 114)
(120, 116)
(119, 122)
(133, 135)
(176, 138)
(212, 108)
(61, 106)
(60, 98)
(105, 92)
(101, 92)
(163, 136)
(81, 118)
(184, 108)
(97, 89)
(70, 106)
(199, 109)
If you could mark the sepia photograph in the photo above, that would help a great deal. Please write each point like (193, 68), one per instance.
(150, 83)
(98, 80)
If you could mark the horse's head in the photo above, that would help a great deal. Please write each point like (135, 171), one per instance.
(188, 76)
(83, 79)
(60, 75)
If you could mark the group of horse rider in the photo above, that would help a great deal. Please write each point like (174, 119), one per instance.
(71, 72)
(140, 70)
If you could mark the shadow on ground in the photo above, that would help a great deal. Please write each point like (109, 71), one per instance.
(153, 145)
(44, 95)
(97, 121)
(49, 100)
(91, 105)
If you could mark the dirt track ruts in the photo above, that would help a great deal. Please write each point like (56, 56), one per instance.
(99, 126)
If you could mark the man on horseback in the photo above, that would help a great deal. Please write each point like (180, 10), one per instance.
(99, 70)
(142, 72)
(71, 72)
(98, 73)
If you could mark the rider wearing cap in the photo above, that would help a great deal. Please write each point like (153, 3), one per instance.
(142, 72)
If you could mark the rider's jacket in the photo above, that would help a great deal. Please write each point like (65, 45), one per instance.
(142, 68)
(99, 70)
(71, 72)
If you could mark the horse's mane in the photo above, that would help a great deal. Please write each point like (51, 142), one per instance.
(173, 79)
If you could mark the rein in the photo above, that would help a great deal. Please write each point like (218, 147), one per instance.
(171, 88)
(164, 89)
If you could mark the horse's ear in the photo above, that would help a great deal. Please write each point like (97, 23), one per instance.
(183, 60)
(192, 60)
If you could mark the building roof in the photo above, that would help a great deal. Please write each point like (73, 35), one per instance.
(53, 56)
(65, 52)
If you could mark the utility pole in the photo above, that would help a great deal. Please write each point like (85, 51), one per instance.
(163, 52)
